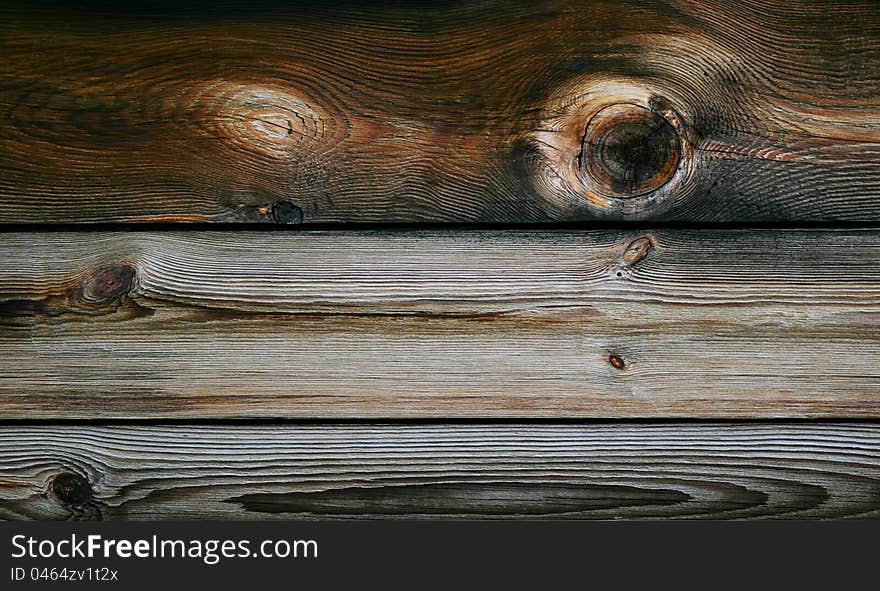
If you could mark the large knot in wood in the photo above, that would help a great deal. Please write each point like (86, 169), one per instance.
(614, 149)
(629, 150)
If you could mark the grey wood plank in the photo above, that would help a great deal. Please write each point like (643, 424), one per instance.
(683, 323)
(718, 471)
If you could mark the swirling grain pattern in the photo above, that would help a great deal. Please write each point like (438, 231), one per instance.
(714, 471)
(439, 112)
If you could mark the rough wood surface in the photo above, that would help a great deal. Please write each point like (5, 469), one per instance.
(732, 323)
(489, 111)
(485, 471)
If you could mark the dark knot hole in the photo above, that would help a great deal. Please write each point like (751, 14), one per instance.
(629, 150)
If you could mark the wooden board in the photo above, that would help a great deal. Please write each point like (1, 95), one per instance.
(718, 471)
(732, 323)
(678, 114)
(478, 111)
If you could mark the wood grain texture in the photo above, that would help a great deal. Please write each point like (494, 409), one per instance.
(476, 111)
(725, 323)
(714, 471)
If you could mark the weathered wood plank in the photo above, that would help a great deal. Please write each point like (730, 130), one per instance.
(732, 323)
(716, 471)
(489, 111)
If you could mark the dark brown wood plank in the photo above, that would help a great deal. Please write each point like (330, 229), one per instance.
(718, 471)
(732, 323)
(478, 111)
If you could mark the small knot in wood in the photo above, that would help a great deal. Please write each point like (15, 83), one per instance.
(637, 250)
(629, 150)
(70, 489)
(285, 212)
(616, 361)
(107, 285)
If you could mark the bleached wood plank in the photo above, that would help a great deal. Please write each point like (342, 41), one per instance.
(745, 323)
